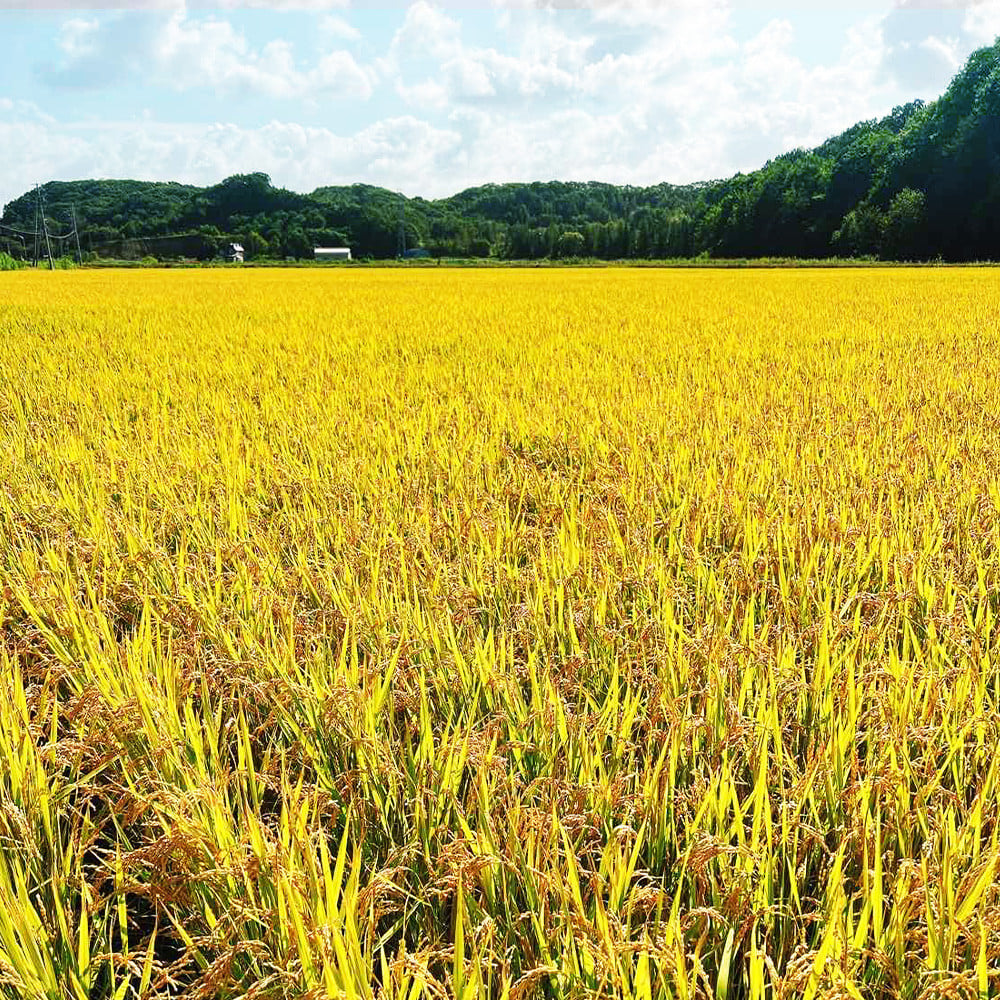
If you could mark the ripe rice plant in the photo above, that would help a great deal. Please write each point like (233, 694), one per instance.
(398, 634)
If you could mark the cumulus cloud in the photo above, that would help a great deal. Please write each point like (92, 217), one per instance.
(426, 30)
(691, 122)
(180, 52)
(637, 92)
(540, 61)
(337, 27)
(393, 151)
(982, 21)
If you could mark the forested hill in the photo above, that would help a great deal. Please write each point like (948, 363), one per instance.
(923, 182)
(512, 220)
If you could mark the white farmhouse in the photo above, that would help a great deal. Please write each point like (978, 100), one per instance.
(332, 253)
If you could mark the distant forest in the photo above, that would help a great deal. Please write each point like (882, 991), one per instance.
(922, 183)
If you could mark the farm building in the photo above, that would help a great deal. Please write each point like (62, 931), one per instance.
(332, 253)
(233, 253)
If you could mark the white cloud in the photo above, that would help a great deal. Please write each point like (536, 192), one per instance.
(24, 111)
(982, 22)
(399, 151)
(179, 52)
(542, 62)
(468, 76)
(945, 49)
(428, 94)
(638, 92)
(426, 31)
(684, 116)
(338, 73)
(77, 37)
(336, 27)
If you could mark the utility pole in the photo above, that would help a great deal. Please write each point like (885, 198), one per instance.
(45, 229)
(76, 233)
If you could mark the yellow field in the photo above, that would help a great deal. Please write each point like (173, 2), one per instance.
(499, 633)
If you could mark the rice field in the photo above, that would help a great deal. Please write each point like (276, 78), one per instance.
(502, 634)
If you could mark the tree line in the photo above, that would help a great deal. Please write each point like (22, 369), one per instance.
(921, 183)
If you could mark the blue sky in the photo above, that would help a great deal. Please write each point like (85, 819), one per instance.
(432, 97)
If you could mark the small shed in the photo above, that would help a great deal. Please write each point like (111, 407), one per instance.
(233, 253)
(332, 253)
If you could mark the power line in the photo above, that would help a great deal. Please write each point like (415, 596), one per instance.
(15, 242)
(29, 232)
(14, 229)
(42, 231)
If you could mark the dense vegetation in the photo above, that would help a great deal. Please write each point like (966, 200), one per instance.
(921, 183)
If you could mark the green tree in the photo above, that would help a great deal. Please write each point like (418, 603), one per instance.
(905, 226)
(479, 247)
(255, 244)
(571, 244)
(861, 232)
